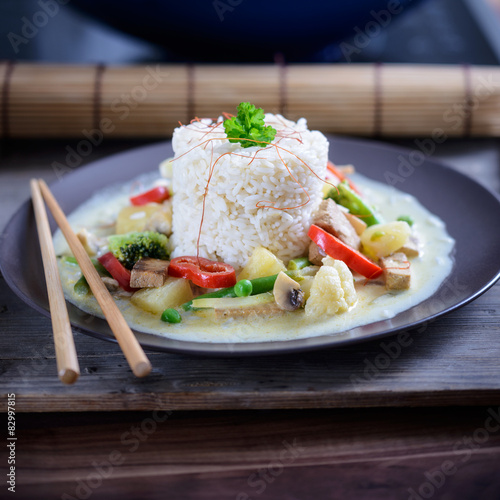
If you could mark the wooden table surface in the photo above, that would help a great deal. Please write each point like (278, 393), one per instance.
(339, 423)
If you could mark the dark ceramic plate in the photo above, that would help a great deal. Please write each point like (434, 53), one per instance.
(469, 210)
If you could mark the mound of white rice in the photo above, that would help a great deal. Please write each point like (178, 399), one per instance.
(233, 225)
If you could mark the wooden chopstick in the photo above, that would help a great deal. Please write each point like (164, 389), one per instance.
(131, 348)
(68, 369)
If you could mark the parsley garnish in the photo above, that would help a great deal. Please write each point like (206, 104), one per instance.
(249, 124)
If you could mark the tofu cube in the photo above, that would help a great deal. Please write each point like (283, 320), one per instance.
(397, 271)
(149, 273)
(333, 220)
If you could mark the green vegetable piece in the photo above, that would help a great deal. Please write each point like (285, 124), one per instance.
(69, 259)
(100, 268)
(298, 264)
(265, 284)
(249, 124)
(377, 235)
(345, 196)
(130, 247)
(243, 288)
(81, 286)
(259, 285)
(233, 302)
(406, 218)
(171, 316)
(223, 292)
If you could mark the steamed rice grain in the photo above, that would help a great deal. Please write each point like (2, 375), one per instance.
(243, 186)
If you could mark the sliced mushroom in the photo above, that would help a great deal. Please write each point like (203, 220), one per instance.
(114, 288)
(287, 293)
(111, 284)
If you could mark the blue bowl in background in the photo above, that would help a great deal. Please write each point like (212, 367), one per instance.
(246, 30)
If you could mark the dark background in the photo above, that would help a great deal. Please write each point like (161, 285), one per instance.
(429, 31)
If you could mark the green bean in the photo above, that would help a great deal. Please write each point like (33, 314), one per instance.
(406, 218)
(345, 196)
(223, 292)
(81, 286)
(259, 285)
(262, 285)
(100, 268)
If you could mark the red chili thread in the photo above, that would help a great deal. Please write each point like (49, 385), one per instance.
(203, 208)
(392, 267)
(258, 204)
(401, 268)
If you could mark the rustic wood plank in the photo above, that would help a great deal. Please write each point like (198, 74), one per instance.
(375, 454)
(451, 362)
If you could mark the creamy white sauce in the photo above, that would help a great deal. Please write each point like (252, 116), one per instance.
(375, 303)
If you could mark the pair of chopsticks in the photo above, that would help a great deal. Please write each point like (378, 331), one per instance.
(67, 363)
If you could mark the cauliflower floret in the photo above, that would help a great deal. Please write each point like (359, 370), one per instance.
(332, 290)
(346, 278)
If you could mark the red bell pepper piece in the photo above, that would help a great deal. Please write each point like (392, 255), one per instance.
(203, 272)
(117, 271)
(156, 195)
(337, 249)
(337, 173)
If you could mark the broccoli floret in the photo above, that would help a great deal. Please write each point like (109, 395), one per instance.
(130, 247)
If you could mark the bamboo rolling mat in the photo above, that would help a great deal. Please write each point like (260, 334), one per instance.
(150, 101)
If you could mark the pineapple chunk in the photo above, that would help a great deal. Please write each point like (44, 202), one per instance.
(261, 263)
(166, 168)
(381, 240)
(358, 224)
(306, 285)
(173, 293)
(133, 218)
(150, 217)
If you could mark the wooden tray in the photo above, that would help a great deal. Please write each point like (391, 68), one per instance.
(452, 361)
